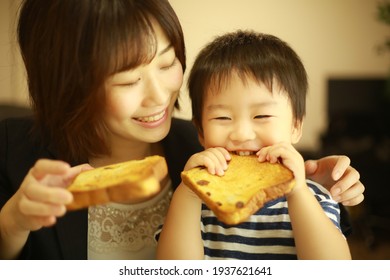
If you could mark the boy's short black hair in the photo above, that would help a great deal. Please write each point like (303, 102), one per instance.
(262, 57)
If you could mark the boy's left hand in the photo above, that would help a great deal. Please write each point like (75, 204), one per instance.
(341, 179)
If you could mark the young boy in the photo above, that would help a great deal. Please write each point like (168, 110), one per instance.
(248, 93)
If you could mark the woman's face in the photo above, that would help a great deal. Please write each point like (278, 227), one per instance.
(140, 101)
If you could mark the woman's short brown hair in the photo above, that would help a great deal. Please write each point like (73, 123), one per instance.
(70, 47)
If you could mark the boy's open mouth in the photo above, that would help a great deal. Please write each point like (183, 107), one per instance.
(244, 153)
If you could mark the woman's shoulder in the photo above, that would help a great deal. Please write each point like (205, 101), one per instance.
(182, 126)
(16, 152)
(180, 143)
(15, 130)
(19, 146)
(184, 134)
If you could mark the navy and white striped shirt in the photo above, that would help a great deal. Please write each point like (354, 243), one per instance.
(266, 235)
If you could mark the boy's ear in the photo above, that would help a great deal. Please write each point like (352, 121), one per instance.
(297, 132)
(201, 138)
(200, 133)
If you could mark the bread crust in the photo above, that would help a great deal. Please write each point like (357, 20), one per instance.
(132, 181)
(244, 188)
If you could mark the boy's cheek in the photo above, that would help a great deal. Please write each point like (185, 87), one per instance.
(215, 137)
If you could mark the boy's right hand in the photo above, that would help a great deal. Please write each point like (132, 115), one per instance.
(214, 159)
(42, 196)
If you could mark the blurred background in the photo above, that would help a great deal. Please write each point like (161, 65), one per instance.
(343, 46)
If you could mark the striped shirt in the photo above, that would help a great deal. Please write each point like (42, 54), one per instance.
(266, 235)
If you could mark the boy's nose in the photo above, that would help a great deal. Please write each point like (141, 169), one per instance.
(243, 132)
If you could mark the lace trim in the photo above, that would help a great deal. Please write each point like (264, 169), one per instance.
(119, 227)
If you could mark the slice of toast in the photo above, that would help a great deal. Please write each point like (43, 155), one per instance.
(244, 188)
(130, 181)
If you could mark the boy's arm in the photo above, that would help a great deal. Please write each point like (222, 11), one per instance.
(316, 237)
(181, 237)
(181, 234)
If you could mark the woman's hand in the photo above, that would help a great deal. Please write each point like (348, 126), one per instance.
(341, 179)
(40, 200)
(42, 196)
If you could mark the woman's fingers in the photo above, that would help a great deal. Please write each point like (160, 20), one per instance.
(36, 208)
(44, 167)
(35, 191)
(348, 184)
(351, 196)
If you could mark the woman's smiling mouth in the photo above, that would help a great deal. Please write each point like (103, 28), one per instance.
(150, 119)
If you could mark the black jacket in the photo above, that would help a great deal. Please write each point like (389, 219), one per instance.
(67, 239)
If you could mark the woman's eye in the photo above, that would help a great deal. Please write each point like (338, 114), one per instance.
(130, 84)
(170, 65)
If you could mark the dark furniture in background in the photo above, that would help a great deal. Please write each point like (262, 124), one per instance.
(10, 110)
(359, 127)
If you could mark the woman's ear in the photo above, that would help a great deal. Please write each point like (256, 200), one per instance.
(297, 131)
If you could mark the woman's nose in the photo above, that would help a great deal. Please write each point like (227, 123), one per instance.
(154, 92)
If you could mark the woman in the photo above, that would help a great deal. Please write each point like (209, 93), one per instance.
(103, 77)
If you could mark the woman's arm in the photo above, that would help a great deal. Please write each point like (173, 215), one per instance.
(39, 201)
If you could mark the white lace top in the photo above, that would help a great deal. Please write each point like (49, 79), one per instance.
(121, 231)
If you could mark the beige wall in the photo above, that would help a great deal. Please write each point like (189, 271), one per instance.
(12, 79)
(5, 50)
(333, 38)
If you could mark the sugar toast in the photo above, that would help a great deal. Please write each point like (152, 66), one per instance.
(244, 188)
(130, 181)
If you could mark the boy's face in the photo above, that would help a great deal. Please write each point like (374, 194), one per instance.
(247, 116)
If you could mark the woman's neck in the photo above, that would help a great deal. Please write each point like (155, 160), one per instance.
(126, 153)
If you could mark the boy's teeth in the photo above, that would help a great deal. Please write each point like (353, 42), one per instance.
(151, 118)
(244, 153)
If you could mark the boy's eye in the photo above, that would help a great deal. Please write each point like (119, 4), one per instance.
(262, 116)
(222, 118)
